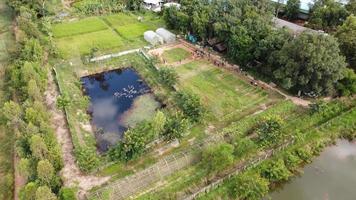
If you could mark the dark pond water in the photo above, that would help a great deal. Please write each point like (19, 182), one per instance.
(111, 94)
(331, 176)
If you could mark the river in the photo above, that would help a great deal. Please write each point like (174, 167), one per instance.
(331, 176)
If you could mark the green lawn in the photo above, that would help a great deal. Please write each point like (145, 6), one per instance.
(175, 55)
(222, 92)
(106, 39)
(112, 33)
(121, 19)
(87, 25)
(132, 31)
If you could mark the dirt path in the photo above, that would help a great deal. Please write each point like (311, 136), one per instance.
(71, 174)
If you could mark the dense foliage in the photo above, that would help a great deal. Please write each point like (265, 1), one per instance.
(168, 76)
(247, 30)
(346, 35)
(217, 157)
(27, 115)
(248, 186)
(190, 105)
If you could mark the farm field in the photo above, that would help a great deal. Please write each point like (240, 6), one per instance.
(175, 55)
(112, 33)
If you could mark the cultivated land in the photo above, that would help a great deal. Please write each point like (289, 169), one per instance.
(6, 138)
(234, 104)
(110, 33)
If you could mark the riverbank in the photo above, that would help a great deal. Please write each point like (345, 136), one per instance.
(329, 176)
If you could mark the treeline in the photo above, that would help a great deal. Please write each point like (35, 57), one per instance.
(99, 7)
(26, 115)
(310, 63)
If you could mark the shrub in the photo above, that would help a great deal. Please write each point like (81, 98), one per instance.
(248, 186)
(168, 76)
(269, 130)
(190, 105)
(275, 171)
(175, 127)
(67, 194)
(242, 146)
(86, 158)
(217, 157)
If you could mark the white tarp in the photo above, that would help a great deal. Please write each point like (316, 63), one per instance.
(153, 38)
(167, 36)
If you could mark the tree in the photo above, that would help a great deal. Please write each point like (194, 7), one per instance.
(45, 171)
(24, 168)
(275, 171)
(38, 147)
(347, 85)
(346, 35)
(311, 63)
(158, 122)
(134, 4)
(242, 146)
(12, 112)
(168, 76)
(351, 7)
(87, 158)
(29, 191)
(67, 194)
(33, 91)
(175, 127)
(248, 186)
(45, 193)
(32, 51)
(292, 9)
(269, 130)
(217, 157)
(190, 105)
(327, 14)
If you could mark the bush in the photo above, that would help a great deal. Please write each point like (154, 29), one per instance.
(190, 105)
(67, 194)
(175, 127)
(269, 131)
(248, 186)
(168, 76)
(275, 171)
(242, 146)
(86, 158)
(217, 157)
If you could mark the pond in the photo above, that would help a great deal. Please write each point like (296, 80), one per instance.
(119, 99)
(330, 176)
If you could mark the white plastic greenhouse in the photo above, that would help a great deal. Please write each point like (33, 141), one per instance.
(153, 38)
(167, 36)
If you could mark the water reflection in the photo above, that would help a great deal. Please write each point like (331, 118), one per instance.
(106, 107)
(331, 176)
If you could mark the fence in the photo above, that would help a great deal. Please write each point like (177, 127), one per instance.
(131, 185)
(237, 169)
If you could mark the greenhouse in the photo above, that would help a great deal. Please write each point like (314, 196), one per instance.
(167, 36)
(153, 38)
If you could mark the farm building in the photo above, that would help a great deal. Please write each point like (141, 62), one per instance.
(295, 28)
(167, 36)
(306, 5)
(154, 5)
(153, 38)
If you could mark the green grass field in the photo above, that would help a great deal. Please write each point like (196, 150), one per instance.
(87, 25)
(222, 92)
(106, 39)
(175, 55)
(112, 33)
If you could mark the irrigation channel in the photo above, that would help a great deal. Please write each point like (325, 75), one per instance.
(330, 176)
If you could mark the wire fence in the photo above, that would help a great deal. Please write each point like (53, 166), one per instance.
(238, 169)
(140, 181)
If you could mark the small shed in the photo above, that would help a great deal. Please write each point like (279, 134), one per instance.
(153, 38)
(167, 36)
